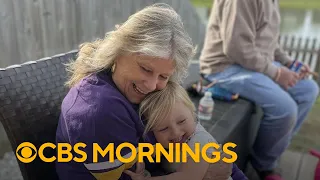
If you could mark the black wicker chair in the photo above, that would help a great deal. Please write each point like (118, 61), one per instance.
(30, 99)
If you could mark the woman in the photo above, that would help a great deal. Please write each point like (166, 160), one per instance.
(110, 78)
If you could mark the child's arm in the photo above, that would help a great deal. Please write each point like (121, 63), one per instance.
(190, 170)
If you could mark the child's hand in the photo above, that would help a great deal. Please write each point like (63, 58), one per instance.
(139, 174)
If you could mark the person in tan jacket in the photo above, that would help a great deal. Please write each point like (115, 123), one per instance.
(242, 41)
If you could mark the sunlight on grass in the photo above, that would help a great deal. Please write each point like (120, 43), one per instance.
(297, 4)
(317, 104)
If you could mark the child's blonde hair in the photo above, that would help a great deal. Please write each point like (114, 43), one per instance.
(158, 105)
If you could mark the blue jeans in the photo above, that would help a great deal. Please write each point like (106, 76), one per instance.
(284, 111)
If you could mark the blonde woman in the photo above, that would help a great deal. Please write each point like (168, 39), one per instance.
(109, 78)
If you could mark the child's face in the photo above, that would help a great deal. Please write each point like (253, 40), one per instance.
(177, 128)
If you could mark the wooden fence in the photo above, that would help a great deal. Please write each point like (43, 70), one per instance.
(33, 29)
(306, 50)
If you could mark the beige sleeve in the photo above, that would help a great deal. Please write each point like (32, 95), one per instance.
(281, 56)
(238, 32)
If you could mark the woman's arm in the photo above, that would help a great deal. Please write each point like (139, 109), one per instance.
(237, 174)
(190, 170)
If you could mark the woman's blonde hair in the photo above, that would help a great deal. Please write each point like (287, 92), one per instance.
(158, 105)
(155, 31)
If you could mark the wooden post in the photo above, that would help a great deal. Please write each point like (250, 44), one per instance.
(317, 69)
(291, 47)
(299, 48)
(305, 50)
(285, 42)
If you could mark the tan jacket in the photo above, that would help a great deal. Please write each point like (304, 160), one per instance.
(243, 32)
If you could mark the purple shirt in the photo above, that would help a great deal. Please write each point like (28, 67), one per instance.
(94, 111)
(237, 174)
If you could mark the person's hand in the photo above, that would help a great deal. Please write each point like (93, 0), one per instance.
(288, 64)
(287, 78)
(139, 174)
(305, 71)
(219, 170)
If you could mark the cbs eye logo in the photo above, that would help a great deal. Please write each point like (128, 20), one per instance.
(26, 150)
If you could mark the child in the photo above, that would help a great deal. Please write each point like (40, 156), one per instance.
(170, 114)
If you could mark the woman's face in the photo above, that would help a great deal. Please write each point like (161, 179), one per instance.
(138, 75)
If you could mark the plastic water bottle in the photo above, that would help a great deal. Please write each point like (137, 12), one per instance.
(206, 106)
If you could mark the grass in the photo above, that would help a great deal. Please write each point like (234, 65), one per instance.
(309, 134)
(297, 4)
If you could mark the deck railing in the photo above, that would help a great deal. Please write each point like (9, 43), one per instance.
(306, 50)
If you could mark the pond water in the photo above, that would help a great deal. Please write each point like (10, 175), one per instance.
(300, 22)
(305, 23)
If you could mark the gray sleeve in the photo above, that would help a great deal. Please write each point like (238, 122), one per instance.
(202, 137)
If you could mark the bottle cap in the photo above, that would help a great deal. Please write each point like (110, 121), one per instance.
(208, 94)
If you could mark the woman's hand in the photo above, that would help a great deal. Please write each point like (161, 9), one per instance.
(220, 170)
(139, 174)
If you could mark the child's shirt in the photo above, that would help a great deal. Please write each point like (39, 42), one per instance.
(200, 136)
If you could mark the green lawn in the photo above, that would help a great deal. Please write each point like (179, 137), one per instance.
(309, 134)
(301, 4)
